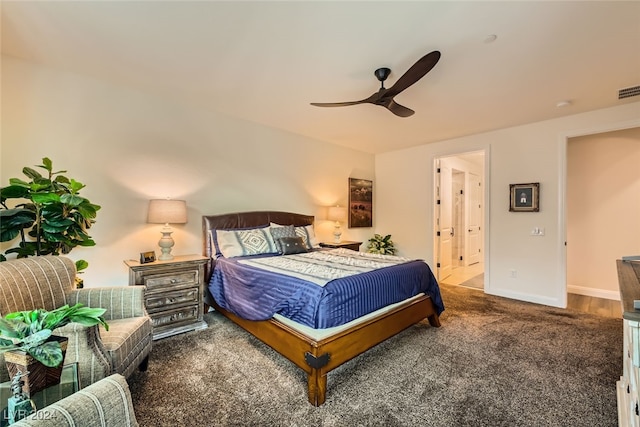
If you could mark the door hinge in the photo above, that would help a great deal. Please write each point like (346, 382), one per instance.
(437, 233)
(461, 191)
(437, 202)
(438, 265)
(438, 170)
(461, 258)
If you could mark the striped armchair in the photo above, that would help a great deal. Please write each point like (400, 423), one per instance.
(104, 403)
(49, 282)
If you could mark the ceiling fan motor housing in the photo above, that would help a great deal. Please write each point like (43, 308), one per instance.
(382, 73)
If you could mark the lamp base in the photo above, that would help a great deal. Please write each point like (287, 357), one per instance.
(166, 243)
(337, 232)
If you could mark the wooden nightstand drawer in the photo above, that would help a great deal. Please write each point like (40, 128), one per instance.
(172, 318)
(171, 280)
(161, 301)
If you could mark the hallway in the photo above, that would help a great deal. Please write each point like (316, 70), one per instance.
(461, 274)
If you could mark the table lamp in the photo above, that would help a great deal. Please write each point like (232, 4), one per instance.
(337, 214)
(166, 211)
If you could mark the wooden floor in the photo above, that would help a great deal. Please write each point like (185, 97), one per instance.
(600, 306)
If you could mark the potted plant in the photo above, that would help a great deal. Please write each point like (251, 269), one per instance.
(53, 219)
(381, 245)
(29, 346)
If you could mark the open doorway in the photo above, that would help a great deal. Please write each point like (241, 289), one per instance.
(459, 214)
(601, 224)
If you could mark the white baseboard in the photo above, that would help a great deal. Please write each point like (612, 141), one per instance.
(591, 292)
(536, 299)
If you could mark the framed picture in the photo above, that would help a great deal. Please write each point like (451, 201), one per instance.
(360, 203)
(524, 197)
(146, 257)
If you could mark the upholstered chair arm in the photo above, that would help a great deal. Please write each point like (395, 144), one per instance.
(106, 403)
(85, 347)
(121, 302)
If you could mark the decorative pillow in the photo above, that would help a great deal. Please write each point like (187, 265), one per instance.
(304, 231)
(278, 232)
(308, 236)
(292, 245)
(254, 241)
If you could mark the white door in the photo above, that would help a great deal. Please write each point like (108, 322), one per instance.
(445, 223)
(474, 235)
(459, 220)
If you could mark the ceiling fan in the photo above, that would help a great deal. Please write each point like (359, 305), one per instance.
(384, 97)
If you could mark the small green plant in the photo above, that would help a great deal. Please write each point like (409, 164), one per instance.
(381, 245)
(54, 218)
(30, 330)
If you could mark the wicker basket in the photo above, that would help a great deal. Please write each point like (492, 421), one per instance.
(39, 376)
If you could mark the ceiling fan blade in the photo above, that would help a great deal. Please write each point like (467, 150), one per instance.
(400, 110)
(372, 100)
(336, 104)
(415, 73)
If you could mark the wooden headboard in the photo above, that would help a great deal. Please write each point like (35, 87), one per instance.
(244, 220)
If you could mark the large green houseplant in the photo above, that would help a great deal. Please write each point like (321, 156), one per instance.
(53, 218)
(380, 244)
(30, 331)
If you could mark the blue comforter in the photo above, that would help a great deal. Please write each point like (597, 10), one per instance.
(257, 294)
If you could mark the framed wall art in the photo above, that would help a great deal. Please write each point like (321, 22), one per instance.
(360, 203)
(524, 197)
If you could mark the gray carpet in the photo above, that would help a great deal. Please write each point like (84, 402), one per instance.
(494, 362)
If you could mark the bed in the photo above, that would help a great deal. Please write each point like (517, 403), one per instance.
(316, 351)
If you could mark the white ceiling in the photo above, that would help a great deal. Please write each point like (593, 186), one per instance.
(266, 61)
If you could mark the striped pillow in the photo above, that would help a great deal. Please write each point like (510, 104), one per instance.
(304, 231)
(279, 232)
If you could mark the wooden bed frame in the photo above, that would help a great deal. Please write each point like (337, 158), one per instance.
(315, 357)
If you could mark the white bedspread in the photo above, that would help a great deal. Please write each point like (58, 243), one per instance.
(320, 267)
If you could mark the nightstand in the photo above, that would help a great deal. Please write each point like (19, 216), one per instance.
(174, 293)
(354, 246)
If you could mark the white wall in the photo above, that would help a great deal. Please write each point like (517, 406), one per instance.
(603, 209)
(522, 154)
(129, 147)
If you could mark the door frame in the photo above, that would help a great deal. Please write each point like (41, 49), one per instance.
(486, 151)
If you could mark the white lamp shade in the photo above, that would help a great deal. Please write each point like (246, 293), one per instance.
(165, 211)
(337, 213)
